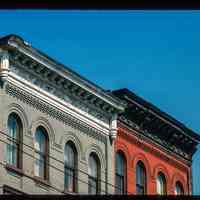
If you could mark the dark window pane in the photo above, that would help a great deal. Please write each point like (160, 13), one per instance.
(93, 174)
(179, 189)
(120, 173)
(92, 186)
(70, 167)
(140, 178)
(14, 134)
(161, 184)
(119, 184)
(40, 153)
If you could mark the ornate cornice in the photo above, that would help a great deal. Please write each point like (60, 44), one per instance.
(139, 140)
(52, 111)
(53, 84)
(34, 58)
(155, 138)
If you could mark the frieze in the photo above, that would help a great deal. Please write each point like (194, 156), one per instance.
(67, 119)
(139, 142)
(155, 138)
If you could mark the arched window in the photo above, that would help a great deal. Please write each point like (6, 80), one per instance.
(41, 153)
(120, 173)
(14, 146)
(93, 174)
(141, 181)
(70, 158)
(161, 184)
(179, 188)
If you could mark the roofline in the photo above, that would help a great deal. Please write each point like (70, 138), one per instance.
(15, 41)
(147, 105)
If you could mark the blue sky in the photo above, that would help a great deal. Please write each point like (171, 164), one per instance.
(155, 54)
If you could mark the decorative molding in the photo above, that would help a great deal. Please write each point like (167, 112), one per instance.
(41, 121)
(4, 66)
(178, 177)
(141, 157)
(65, 118)
(60, 87)
(155, 138)
(16, 108)
(98, 151)
(140, 143)
(121, 147)
(70, 136)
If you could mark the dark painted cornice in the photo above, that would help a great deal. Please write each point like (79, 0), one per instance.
(159, 125)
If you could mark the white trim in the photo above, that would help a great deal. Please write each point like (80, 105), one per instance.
(61, 73)
(58, 103)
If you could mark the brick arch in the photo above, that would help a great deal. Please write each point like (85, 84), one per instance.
(161, 168)
(178, 177)
(123, 148)
(141, 157)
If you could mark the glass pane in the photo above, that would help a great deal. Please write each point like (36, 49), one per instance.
(140, 177)
(140, 190)
(40, 140)
(12, 126)
(119, 188)
(161, 184)
(93, 167)
(92, 186)
(69, 156)
(12, 154)
(39, 165)
(179, 189)
(69, 179)
(120, 164)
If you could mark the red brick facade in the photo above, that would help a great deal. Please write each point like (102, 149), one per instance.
(155, 159)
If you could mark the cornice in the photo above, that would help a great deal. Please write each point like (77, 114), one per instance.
(140, 140)
(53, 86)
(154, 138)
(18, 46)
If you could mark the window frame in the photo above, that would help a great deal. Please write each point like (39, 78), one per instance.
(164, 181)
(16, 142)
(180, 185)
(144, 178)
(92, 178)
(73, 169)
(123, 178)
(45, 155)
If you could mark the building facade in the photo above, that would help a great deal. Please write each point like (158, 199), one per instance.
(153, 151)
(56, 128)
(61, 134)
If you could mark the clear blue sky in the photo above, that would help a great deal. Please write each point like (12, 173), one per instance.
(155, 54)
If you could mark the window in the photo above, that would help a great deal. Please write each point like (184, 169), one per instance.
(161, 184)
(41, 153)
(179, 188)
(70, 158)
(93, 174)
(120, 174)
(140, 178)
(14, 146)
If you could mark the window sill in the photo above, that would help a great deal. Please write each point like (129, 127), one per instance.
(71, 193)
(14, 169)
(39, 180)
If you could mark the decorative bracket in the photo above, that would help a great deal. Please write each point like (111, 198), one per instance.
(4, 66)
(113, 128)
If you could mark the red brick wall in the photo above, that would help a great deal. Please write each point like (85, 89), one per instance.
(155, 160)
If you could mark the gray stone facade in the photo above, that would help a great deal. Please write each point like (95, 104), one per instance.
(89, 120)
